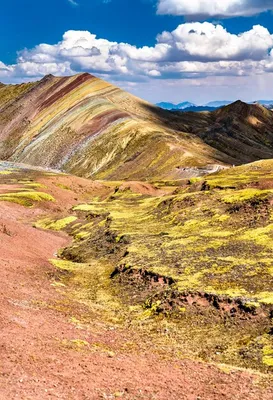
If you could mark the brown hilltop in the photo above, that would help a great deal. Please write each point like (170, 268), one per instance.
(244, 132)
(243, 110)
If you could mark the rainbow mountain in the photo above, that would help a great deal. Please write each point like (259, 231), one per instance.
(88, 127)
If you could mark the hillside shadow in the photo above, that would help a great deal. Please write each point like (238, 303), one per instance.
(188, 122)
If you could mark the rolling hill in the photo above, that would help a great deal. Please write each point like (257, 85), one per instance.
(88, 127)
(244, 132)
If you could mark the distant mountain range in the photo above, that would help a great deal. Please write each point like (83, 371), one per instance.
(171, 106)
(217, 104)
(211, 106)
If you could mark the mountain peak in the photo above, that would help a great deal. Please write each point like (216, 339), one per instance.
(84, 75)
(237, 105)
(47, 78)
(241, 109)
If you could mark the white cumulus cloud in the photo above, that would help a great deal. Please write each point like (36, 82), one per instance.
(193, 52)
(219, 8)
(202, 42)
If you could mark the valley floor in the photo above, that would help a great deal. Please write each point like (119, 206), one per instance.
(54, 348)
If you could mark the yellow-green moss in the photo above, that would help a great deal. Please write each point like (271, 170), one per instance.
(265, 297)
(260, 235)
(31, 184)
(195, 180)
(82, 235)
(252, 305)
(61, 186)
(91, 285)
(55, 225)
(84, 207)
(267, 343)
(76, 344)
(268, 360)
(245, 195)
(222, 218)
(26, 198)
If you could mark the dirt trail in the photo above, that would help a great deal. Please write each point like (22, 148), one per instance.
(44, 355)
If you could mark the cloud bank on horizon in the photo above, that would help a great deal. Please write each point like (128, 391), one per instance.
(214, 8)
(195, 53)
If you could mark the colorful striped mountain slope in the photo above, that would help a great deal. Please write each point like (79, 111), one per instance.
(88, 127)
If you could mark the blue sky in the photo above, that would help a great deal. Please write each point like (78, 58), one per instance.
(209, 50)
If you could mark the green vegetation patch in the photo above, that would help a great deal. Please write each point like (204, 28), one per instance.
(55, 225)
(61, 186)
(84, 207)
(31, 184)
(82, 235)
(262, 236)
(91, 284)
(265, 297)
(267, 351)
(26, 199)
(237, 196)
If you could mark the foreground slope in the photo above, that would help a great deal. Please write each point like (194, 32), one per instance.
(88, 127)
(199, 251)
(67, 329)
(191, 258)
